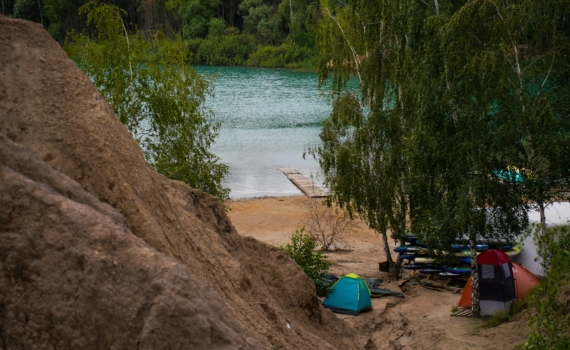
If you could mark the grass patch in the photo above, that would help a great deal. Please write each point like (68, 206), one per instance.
(454, 309)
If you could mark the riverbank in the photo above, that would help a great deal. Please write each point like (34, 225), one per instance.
(421, 320)
(242, 49)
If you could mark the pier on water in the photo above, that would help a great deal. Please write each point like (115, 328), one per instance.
(305, 184)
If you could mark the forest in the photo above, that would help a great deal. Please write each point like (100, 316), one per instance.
(262, 33)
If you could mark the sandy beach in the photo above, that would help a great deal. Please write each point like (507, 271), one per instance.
(421, 320)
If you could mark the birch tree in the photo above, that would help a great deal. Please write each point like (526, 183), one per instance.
(452, 92)
(156, 94)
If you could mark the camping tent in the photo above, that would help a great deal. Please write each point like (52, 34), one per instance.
(524, 282)
(496, 282)
(349, 295)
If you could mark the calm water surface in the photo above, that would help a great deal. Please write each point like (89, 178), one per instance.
(269, 117)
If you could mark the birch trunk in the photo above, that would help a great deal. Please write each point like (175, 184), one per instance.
(476, 308)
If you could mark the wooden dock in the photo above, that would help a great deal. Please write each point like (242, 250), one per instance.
(306, 185)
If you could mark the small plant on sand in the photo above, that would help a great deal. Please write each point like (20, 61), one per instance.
(454, 308)
(328, 226)
(314, 264)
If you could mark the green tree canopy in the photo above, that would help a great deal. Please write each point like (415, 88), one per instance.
(448, 100)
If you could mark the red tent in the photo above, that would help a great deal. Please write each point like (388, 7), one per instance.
(524, 282)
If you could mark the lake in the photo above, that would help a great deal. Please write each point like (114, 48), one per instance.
(269, 116)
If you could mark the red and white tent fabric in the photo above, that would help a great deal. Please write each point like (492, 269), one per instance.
(496, 283)
(524, 282)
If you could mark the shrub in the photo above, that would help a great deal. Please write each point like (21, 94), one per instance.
(314, 264)
(328, 226)
(226, 50)
(550, 322)
(288, 55)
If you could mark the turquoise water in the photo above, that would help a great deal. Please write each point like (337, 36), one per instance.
(269, 117)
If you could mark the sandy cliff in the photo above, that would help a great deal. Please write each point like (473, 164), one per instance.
(133, 252)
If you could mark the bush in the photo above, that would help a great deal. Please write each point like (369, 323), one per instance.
(328, 226)
(225, 50)
(550, 322)
(286, 55)
(314, 264)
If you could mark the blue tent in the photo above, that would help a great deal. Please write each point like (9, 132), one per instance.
(349, 295)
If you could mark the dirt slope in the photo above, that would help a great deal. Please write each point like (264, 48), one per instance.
(47, 104)
(67, 277)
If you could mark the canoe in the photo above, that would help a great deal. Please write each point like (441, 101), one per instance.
(408, 249)
(458, 270)
(478, 247)
(424, 260)
(408, 256)
(450, 275)
(513, 252)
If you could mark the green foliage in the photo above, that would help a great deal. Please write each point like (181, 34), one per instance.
(61, 17)
(550, 319)
(156, 94)
(450, 92)
(287, 55)
(227, 50)
(454, 308)
(261, 20)
(216, 27)
(197, 15)
(314, 264)
(25, 9)
(280, 32)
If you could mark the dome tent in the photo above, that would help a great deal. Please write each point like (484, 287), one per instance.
(496, 283)
(349, 295)
(524, 282)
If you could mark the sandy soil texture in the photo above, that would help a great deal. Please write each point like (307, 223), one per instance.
(421, 320)
(260, 298)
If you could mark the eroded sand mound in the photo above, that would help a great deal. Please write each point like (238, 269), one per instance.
(73, 275)
(48, 105)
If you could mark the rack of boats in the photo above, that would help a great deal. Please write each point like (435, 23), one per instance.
(415, 256)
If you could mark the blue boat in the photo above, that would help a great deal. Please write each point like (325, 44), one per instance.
(463, 247)
(458, 270)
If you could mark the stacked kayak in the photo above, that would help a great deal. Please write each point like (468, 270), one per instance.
(416, 257)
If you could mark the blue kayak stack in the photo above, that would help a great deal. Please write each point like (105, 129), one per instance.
(415, 256)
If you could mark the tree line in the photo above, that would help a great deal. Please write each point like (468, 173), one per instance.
(269, 33)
